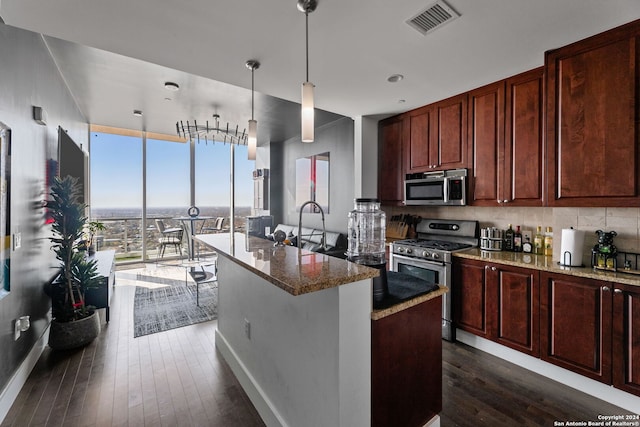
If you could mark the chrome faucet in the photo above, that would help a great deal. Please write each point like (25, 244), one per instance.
(324, 230)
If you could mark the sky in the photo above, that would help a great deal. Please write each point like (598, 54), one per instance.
(116, 173)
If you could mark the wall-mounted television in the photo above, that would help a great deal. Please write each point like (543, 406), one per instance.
(72, 160)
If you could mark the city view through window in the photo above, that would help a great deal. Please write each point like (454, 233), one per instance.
(117, 189)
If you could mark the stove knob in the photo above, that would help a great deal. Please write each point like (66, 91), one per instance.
(400, 250)
(455, 227)
(425, 254)
(435, 255)
(409, 250)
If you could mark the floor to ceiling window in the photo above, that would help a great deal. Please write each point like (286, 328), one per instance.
(118, 191)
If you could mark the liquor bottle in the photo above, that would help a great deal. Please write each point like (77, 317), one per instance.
(508, 239)
(517, 240)
(538, 241)
(548, 242)
(527, 247)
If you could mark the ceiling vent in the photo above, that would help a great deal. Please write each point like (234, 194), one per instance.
(433, 17)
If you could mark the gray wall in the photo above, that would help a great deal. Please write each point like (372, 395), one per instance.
(28, 77)
(337, 139)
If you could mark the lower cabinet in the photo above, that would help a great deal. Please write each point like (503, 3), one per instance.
(406, 366)
(590, 327)
(626, 338)
(497, 302)
(576, 324)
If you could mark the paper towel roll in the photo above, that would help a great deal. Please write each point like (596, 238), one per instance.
(571, 247)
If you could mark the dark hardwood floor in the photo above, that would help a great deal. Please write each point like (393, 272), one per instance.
(177, 378)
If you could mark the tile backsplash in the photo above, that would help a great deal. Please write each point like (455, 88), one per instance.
(624, 221)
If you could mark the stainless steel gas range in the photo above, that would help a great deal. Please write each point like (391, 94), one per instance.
(428, 256)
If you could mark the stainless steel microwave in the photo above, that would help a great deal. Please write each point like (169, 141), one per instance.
(441, 188)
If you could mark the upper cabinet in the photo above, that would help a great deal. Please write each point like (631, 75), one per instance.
(524, 139)
(486, 145)
(592, 120)
(390, 167)
(435, 138)
(506, 141)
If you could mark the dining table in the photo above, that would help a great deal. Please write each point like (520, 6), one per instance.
(192, 225)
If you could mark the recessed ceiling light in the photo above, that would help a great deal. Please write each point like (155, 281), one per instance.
(394, 78)
(171, 86)
(137, 113)
(401, 101)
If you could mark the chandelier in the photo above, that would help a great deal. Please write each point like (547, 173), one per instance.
(192, 131)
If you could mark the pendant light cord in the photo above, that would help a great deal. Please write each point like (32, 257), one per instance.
(306, 16)
(252, 68)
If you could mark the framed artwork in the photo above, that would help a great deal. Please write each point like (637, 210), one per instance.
(312, 182)
(5, 209)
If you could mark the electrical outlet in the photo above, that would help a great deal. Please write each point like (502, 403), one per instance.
(17, 240)
(247, 328)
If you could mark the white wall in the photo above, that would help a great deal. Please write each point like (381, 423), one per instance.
(307, 361)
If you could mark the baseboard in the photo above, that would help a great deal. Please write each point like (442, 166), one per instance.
(18, 380)
(260, 400)
(594, 388)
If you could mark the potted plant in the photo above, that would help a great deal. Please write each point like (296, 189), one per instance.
(90, 230)
(74, 324)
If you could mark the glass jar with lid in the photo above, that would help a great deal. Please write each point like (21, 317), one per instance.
(366, 233)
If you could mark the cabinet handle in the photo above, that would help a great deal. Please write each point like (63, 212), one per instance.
(493, 269)
(505, 201)
(499, 201)
(617, 291)
(605, 288)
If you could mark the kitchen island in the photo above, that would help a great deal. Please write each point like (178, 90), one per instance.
(296, 329)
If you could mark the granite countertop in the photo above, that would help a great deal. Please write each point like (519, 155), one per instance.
(378, 314)
(289, 268)
(546, 263)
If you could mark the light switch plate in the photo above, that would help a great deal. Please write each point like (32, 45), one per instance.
(17, 240)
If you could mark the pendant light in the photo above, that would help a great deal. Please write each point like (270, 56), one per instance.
(252, 140)
(307, 113)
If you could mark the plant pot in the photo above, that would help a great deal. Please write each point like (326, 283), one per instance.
(69, 335)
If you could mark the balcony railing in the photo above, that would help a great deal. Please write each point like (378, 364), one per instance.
(126, 237)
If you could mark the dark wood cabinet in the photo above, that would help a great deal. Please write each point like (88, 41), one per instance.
(523, 143)
(435, 137)
(592, 115)
(406, 366)
(505, 141)
(448, 142)
(626, 338)
(517, 323)
(471, 300)
(486, 142)
(418, 140)
(390, 161)
(576, 324)
(498, 302)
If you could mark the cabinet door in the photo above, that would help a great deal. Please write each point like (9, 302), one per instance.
(486, 139)
(448, 147)
(575, 324)
(417, 145)
(390, 173)
(626, 338)
(472, 302)
(517, 317)
(592, 140)
(522, 179)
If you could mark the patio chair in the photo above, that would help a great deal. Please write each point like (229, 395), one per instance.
(168, 237)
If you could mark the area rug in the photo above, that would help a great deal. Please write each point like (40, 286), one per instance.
(168, 307)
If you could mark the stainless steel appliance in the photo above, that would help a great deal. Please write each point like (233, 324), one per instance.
(428, 256)
(441, 188)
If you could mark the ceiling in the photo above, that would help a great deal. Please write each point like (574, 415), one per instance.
(123, 51)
